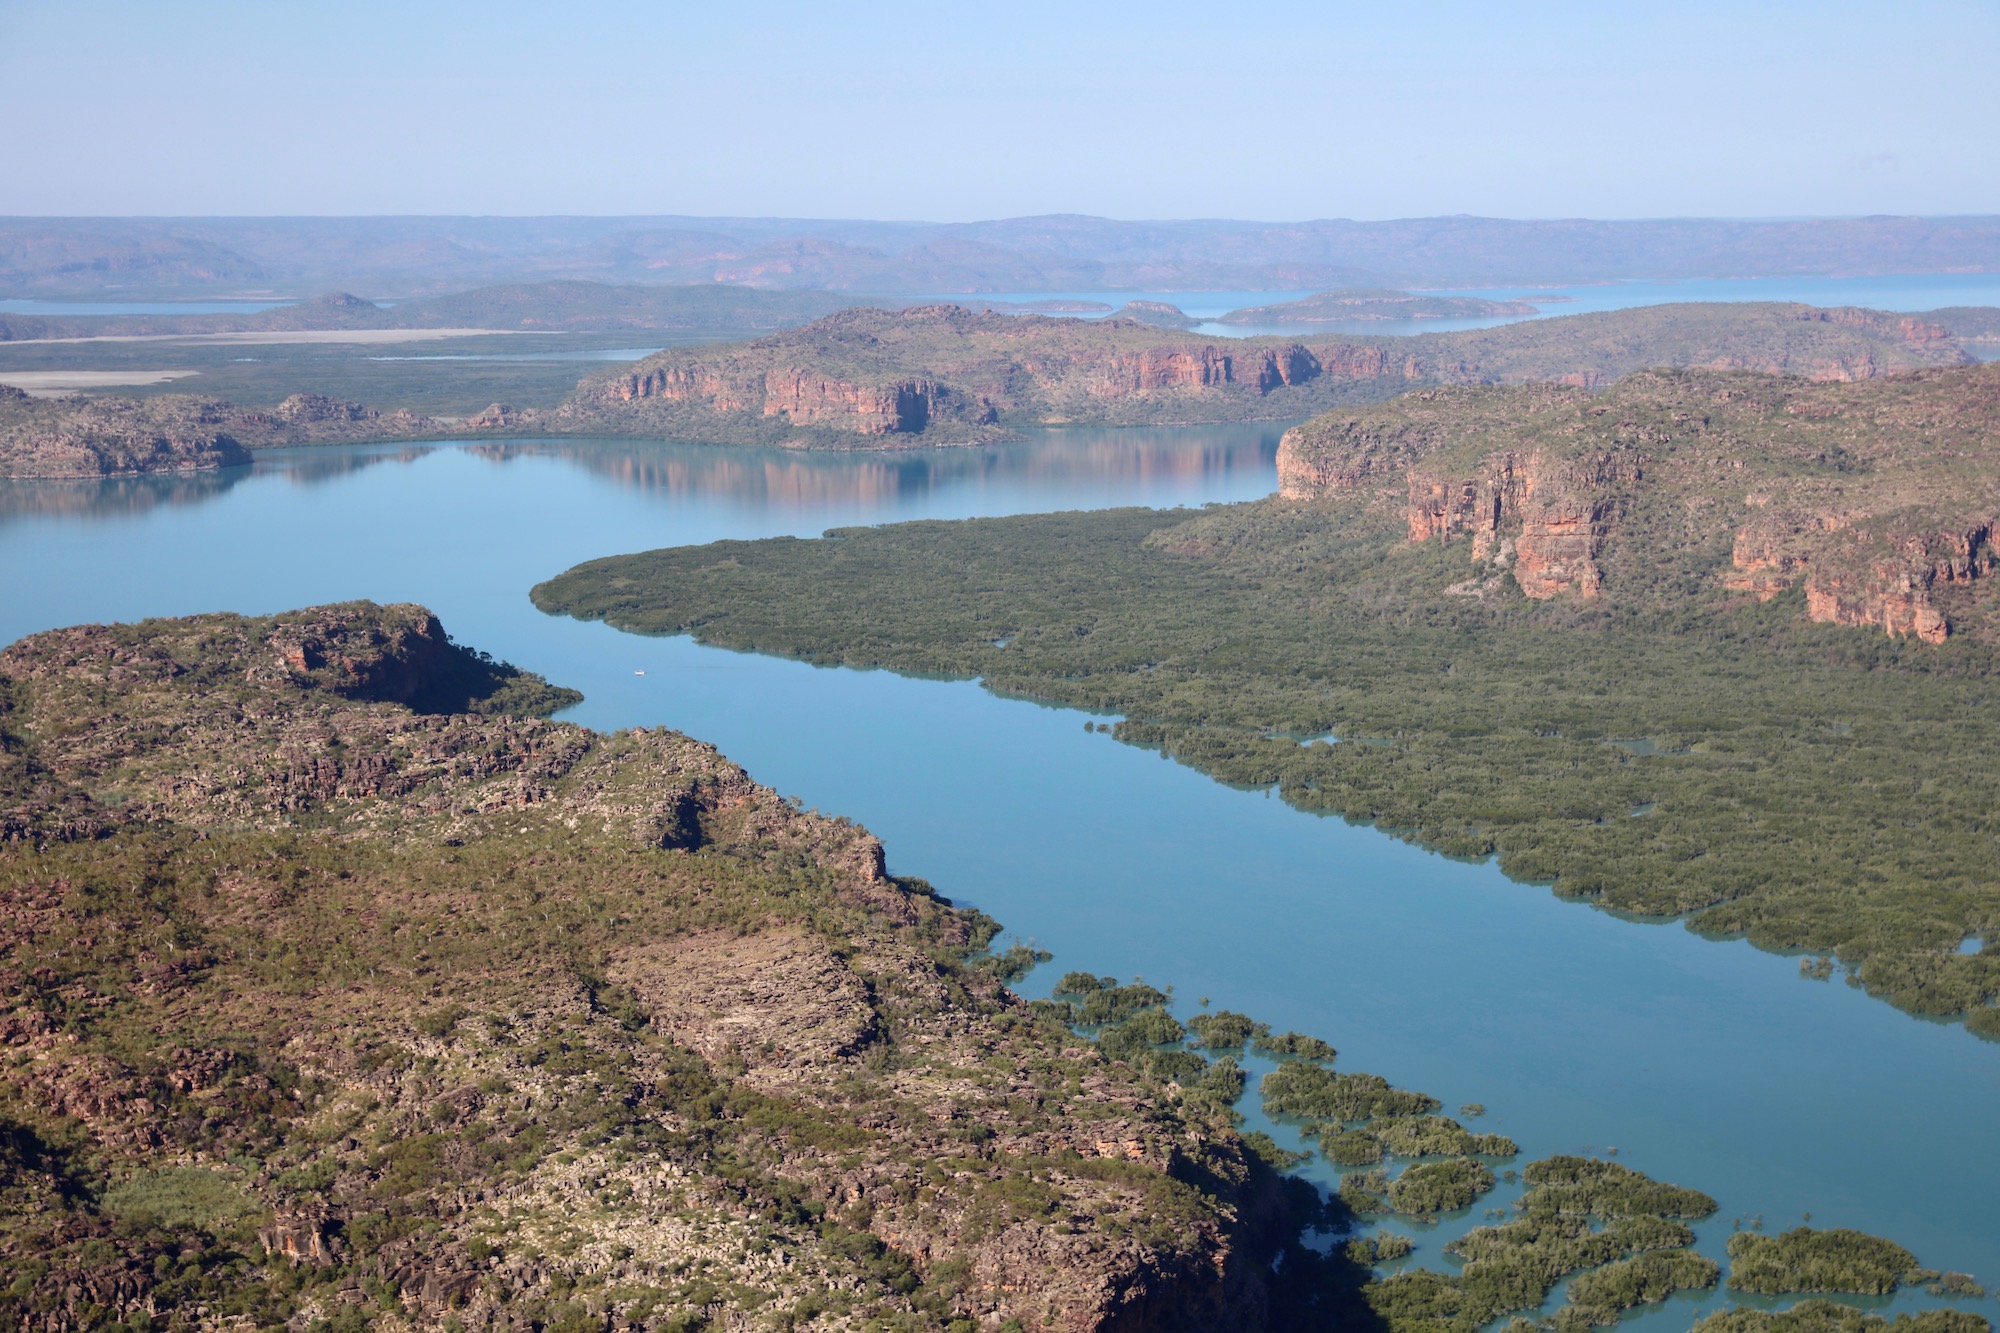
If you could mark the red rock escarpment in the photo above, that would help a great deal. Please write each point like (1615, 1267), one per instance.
(1887, 578)
(1880, 572)
(1558, 511)
(805, 397)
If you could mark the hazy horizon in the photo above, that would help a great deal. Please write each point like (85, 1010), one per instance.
(1161, 111)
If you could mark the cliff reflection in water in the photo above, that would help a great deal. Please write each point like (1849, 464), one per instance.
(1067, 468)
(121, 497)
(1074, 462)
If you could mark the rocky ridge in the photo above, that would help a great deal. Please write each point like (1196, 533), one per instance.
(109, 436)
(342, 985)
(1878, 497)
(944, 374)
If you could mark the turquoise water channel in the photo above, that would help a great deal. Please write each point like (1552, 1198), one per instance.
(1704, 1062)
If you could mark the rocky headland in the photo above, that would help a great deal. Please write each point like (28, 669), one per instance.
(932, 375)
(1879, 497)
(112, 436)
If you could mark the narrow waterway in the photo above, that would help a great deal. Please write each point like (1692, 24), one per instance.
(1708, 1063)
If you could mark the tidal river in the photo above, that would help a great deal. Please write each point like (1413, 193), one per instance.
(1703, 1062)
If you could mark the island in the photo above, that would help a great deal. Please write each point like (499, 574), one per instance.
(1376, 305)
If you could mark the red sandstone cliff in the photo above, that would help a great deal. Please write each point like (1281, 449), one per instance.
(1880, 498)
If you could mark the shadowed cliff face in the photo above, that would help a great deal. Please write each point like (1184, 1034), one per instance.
(1881, 497)
(320, 995)
(942, 374)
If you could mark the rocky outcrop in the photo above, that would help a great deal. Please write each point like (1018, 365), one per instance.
(1153, 369)
(1554, 513)
(1879, 497)
(1879, 571)
(904, 407)
(1888, 574)
(511, 1020)
(111, 436)
(870, 378)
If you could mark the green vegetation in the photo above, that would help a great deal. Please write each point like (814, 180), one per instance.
(1439, 1187)
(1579, 1186)
(1803, 1259)
(1630, 1259)
(1014, 962)
(1795, 781)
(1225, 1030)
(1827, 1317)
(1349, 1147)
(1645, 1279)
(1436, 1136)
(1293, 1046)
(1381, 1248)
(1309, 1092)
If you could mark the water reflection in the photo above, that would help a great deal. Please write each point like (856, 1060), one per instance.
(125, 497)
(1085, 462)
(113, 497)
(787, 479)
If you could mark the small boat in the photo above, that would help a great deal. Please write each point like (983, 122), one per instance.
(638, 673)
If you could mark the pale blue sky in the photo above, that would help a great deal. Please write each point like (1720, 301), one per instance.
(1271, 110)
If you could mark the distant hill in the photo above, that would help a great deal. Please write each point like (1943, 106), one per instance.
(945, 375)
(410, 256)
(560, 306)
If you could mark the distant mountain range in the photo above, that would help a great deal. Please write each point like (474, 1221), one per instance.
(409, 256)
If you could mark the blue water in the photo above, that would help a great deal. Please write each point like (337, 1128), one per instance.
(1706, 1063)
(28, 306)
(1912, 292)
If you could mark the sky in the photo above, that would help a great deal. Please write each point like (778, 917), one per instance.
(956, 112)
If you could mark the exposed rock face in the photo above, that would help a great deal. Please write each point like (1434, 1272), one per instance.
(1887, 573)
(1881, 498)
(1157, 368)
(1556, 510)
